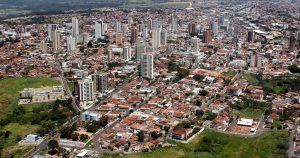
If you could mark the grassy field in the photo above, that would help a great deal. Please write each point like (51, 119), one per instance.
(251, 79)
(10, 88)
(249, 113)
(212, 144)
(230, 74)
(9, 97)
(71, 86)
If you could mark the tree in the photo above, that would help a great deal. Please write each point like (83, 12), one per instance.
(294, 68)
(74, 136)
(210, 115)
(203, 93)
(198, 103)
(167, 129)
(90, 44)
(198, 78)
(140, 136)
(53, 144)
(154, 135)
(83, 137)
(199, 113)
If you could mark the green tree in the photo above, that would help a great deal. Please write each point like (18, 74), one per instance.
(140, 136)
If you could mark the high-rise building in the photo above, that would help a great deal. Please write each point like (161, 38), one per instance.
(174, 23)
(214, 27)
(222, 20)
(86, 90)
(292, 43)
(146, 70)
(99, 29)
(43, 46)
(134, 35)
(71, 44)
(256, 60)
(139, 50)
(118, 27)
(85, 38)
(51, 30)
(56, 41)
(126, 53)
(119, 38)
(195, 42)
(251, 36)
(207, 36)
(75, 27)
(156, 38)
(164, 37)
(192, 27)
(100, 82)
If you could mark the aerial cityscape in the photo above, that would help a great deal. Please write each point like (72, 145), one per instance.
(150, 78)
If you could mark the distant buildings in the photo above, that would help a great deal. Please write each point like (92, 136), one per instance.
(51, 30)
(56, 41)
(156, 38)
(192, 27)
(292, 43)
(71, 43)
(134, 35)
(119, 37)
(50, 94)
(75, 27)
(207, 36)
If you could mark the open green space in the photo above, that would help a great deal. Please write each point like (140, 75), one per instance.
(18, 121)
(71, 86)
(211, 144)
(10, 88)
(248, 108)
(230, 74)
(251, 79)
(281, 86)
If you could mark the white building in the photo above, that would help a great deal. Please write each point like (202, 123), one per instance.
(51, 30)
(156, 38)
(126, 53)
(71, 43)
(86, 90)
(99, 29)
(75, 27)
(56, 41)
(147, 65)
(164, 37)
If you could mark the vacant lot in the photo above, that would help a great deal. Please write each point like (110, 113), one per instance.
(212, 144)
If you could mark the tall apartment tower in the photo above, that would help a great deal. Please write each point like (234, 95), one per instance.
(156, 38)
(139, 50)
(51, 30)
(292, 43)
(126, 53)
(86, 90)
(134, 35)
(251, 36)
(164, 37)
(207, 36)
(99, 29)
(192, 27)
(214, 27)
(100, 82)
(71, 44)
(56, 41)
(146, 70)
(119, 37)
(75, 27)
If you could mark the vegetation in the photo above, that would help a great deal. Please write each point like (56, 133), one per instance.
(181, 73)
(294, 69)
(211, 144)
(250, 108)
(229, 74)
(281, 86)
(18, 121)
(252, 79)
